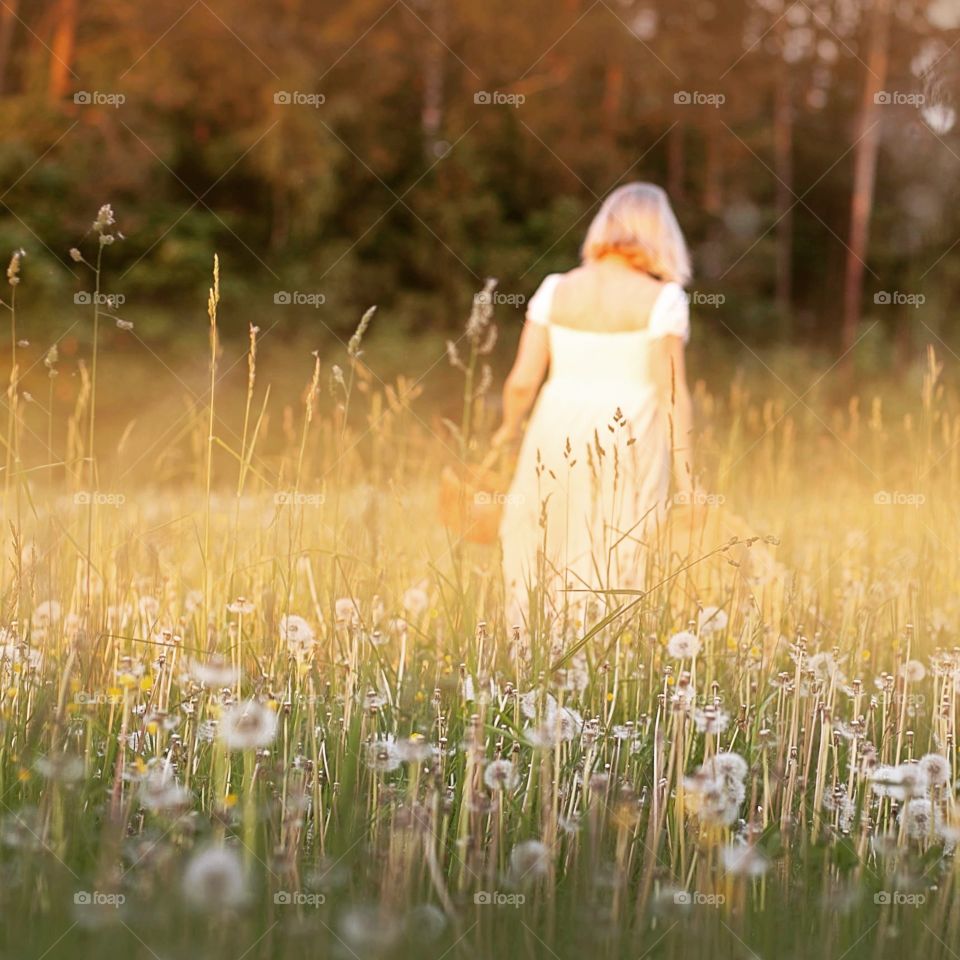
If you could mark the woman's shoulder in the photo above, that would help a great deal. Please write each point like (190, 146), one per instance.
(540, 305)
(670, 314)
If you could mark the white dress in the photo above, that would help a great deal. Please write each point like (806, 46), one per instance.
(594, 467)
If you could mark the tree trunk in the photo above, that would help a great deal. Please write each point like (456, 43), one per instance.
(612, 97)
(865, 172)
(783, 163)
(431, 111)
(676, 156)
(8, 20)
(61, 49)
(713, 171)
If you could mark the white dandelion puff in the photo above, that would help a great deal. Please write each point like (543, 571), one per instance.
(529, 860)
(936, 769)
(501, 775)
(416, 602)
(914, 671)
(215, 880)
(216, 672)
(248, 725)
(712, 620)
(743, 860)
(683, 645)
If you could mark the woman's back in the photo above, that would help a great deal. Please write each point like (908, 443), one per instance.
(601, 318)
(604, 297)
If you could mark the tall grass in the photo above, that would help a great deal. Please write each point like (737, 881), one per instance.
(278, 711)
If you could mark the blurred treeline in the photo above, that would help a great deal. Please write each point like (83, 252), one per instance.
(401, 189)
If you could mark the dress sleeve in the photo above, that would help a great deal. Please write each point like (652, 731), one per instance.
(538, 307)
(671, 313)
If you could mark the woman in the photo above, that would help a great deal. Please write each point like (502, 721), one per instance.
(594, 466)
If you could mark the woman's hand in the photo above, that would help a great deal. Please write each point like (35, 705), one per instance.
(504, 437)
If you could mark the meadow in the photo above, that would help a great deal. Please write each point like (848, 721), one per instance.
(258, 701)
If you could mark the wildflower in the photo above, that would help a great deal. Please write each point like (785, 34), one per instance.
(936, 769)
(840, 803)
(373, 700)
(825, 667)
(248, 725)
(24, 830)
(744, 860)
(415, 749)
(368, 931)
(297, 634)
(427, 922)
(529, 860)
(415, 602)
(717, 789)
(13, 270)
(568, 722)
(712, 620)
(346, 610)
(383, 755)
(216, 672)
(921, 819)
(242, 606)
(900, 783)
(914, 671)
(529, 702)
(62, 767)
(159, 790)
(500, 775)
(683, 645)
(575, 678)
(215, 880)
(46, 614)
(624, 732)
(728, 764)
(104, 219)
(711, 719)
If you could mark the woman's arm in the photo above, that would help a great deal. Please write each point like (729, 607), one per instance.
(671, 377)
(523, 382)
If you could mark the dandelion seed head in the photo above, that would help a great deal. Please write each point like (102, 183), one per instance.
(683, 645)
(248, 725)
(500, 775)
(214, 880)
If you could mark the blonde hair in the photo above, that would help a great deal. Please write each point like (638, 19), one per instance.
(637, 223)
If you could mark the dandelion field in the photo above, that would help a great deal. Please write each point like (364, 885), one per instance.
(275, 708)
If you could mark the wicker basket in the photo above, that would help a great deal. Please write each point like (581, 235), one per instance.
(471, 500)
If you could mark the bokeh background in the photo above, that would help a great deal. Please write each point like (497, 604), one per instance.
(397, 153)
